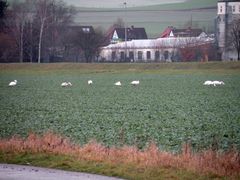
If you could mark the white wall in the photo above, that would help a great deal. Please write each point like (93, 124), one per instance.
(237, 7)
(106, 54)
(222, 7)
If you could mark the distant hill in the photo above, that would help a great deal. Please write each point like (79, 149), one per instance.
(186, 5)
(94, 5)
(190, 4)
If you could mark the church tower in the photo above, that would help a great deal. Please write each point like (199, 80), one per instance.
(227, 11)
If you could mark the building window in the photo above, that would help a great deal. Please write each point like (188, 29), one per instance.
(157, 55)
(166, 55)
(233, 9)
(140, 55)
(86, 30)
(113, 55)
(122, 55)
(148, 55)
(220, 9)
(131, 56)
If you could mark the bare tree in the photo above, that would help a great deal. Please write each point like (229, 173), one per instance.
(119, 23)
(34, 22)
(89, 43)
(42, 7)
(20, 27)
(53, 17)
(234, 39)
(58, 26)
(16, 24)
(3, 8)
(195, 49)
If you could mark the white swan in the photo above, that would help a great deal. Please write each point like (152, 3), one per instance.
(90, 82)
(214, 83)
(218, 83)
(13, 83)
(118, 83)
(135, 83)
(208, 83)
(65, 84)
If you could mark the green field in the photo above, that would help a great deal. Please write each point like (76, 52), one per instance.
(169, 107)
(190, 4)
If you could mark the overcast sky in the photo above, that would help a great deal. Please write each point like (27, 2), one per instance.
(117, 3)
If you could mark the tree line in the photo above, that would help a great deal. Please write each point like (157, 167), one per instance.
(36, 30)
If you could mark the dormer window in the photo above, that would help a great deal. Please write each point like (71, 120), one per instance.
(86, 30)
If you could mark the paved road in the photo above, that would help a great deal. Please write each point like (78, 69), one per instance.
(18, 172)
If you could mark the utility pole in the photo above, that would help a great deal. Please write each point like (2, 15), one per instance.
(125, 31)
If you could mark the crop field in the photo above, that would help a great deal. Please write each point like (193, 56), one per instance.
(144, 4)
(187, 5)
(170, 106)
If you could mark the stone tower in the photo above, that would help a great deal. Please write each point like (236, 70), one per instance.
(227, 11)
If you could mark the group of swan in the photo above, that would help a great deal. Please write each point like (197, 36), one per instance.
(90, 82)
(134, 83)
(214, 83)
(66, 84)
(118, 83)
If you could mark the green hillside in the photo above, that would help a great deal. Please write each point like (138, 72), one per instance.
(191, 4)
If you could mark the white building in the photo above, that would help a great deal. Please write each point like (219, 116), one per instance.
(150, 50)
(228, 10)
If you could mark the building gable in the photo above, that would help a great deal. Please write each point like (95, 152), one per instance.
(115, 35)
(174, 32)
(118, 34)
(171, 34)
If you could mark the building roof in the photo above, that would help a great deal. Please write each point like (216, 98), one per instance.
(132, 33)
(161, 42)
(174, 32)
(228, 0)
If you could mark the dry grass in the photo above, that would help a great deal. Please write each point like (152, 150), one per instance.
(206, 162)
(116, 67)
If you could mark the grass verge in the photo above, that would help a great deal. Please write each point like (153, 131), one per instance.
(190, 67)
(53, 151)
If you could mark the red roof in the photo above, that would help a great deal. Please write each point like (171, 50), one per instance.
(166, 33)
(189, 32)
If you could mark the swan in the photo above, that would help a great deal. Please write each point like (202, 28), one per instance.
(64, 84)
(118, 83)
(208, 83)
(90, 82)
(214, 83)
(218, 83)
(135, 83)
(13, 83)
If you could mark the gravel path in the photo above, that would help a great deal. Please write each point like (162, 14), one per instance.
(19, 172)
